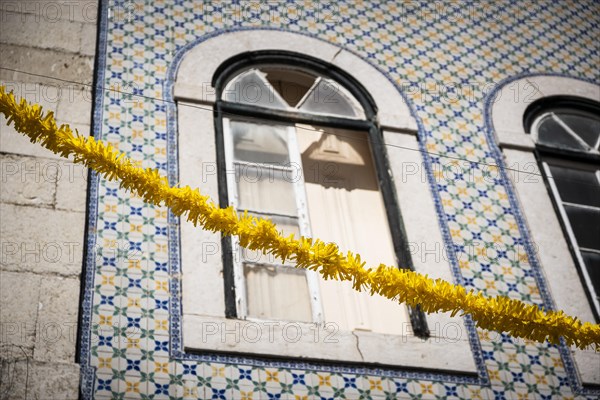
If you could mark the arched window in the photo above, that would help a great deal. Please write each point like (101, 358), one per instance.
(325, 145)
(566, 132)
(544, 125)
(298, 143)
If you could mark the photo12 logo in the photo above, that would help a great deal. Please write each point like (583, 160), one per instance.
(237, 332)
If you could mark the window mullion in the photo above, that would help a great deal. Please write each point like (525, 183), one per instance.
(269, 214)
(304, 222)
(264, 165)
(308, 93)
(586, 249)
(583, 206)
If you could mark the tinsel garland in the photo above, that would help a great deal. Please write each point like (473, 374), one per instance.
(433, 295)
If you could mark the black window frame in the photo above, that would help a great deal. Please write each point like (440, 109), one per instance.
(222, 108)
(544, 153)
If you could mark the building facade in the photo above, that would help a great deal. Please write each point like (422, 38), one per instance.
(457, 139)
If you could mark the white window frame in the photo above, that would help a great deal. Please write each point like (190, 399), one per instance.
(507, 112)
(302, 216)
(448, 347)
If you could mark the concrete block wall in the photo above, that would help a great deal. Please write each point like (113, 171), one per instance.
(42, 198)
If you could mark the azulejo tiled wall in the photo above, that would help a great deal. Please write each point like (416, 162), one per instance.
(435, 52)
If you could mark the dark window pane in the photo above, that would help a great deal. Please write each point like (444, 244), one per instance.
(290, 84)
(576, 185)
(592, 264)
(586, 127)
(551, 133)
(586, 226)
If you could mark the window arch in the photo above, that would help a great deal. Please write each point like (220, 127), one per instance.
(205, 326)
(300, 145)
(566, 132)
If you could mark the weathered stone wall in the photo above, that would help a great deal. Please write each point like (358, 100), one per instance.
(42, 198)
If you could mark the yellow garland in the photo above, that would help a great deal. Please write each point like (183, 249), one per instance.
(494, 313)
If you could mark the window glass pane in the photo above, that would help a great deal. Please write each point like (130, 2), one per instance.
(587, 127)
(291, 85)
(331, 98)
(592, 264)
(265, 190)
(551, 133)
(277, 293)
(286, 226)
(260, 143)
(576, 186)
(585, 223)
(346, 207)
(252, 88)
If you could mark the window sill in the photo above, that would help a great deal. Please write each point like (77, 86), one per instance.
(325, 343)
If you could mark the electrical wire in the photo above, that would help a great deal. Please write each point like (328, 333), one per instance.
(230, 114)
